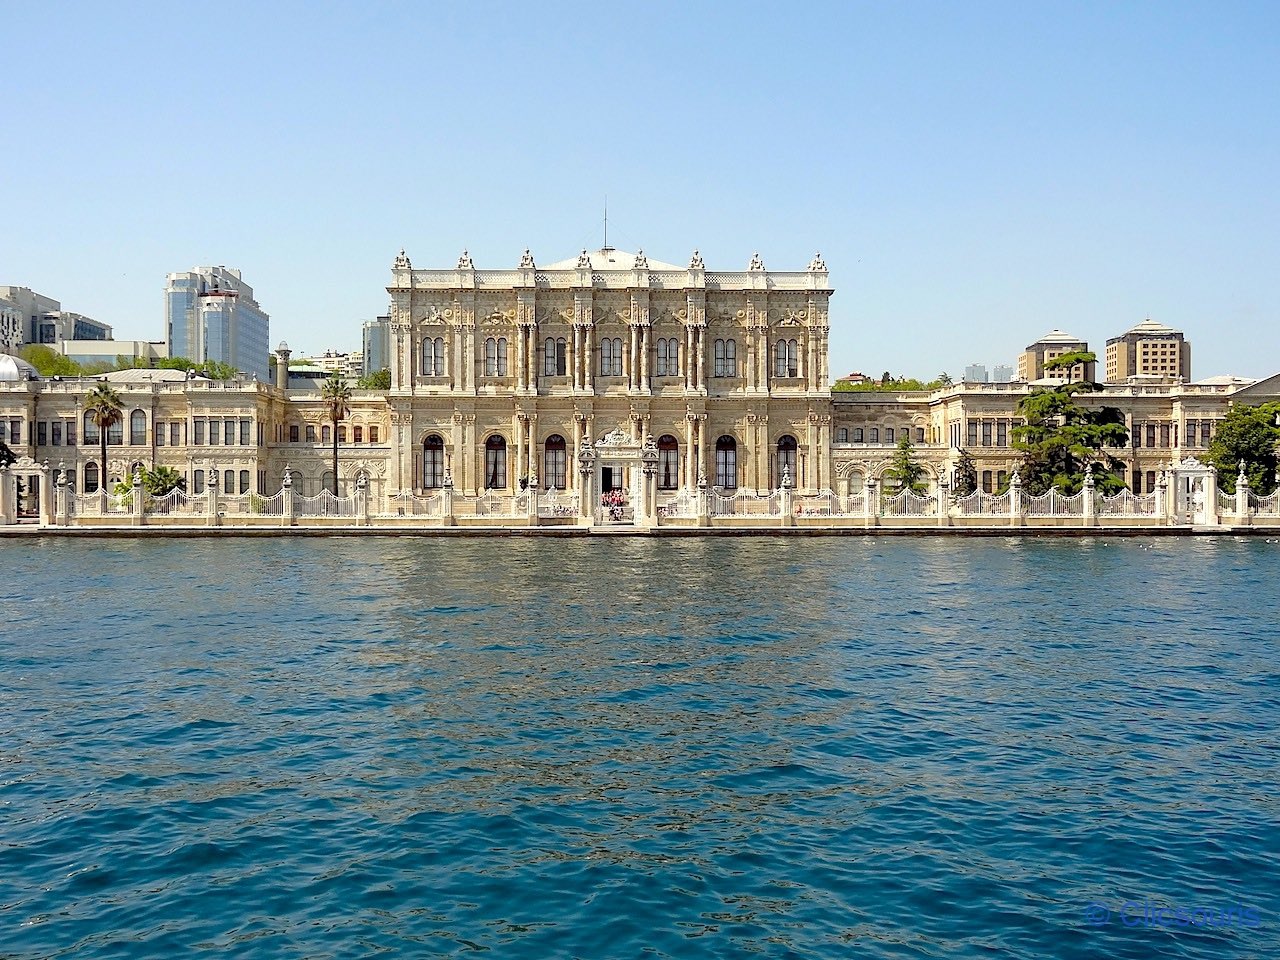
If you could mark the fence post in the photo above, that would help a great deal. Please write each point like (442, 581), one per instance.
(871, 505)
(1162, 497)
(60, 498)
(1016, 518)
(944, 503)
(1212, 510)
(1088, 505)
(139, 499)
(784, 498)
(213, 495)
(704, 504)
(362, 500)
(446, 498)
(1242, 498)
(286, 498)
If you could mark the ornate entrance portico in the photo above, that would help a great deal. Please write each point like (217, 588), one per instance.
(1195, 493)
(619, 481)
(25, 493)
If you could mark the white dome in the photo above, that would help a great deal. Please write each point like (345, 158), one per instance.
(15, 369)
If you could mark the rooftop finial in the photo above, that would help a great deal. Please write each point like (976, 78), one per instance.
(756, 263)
(695, 262)
(526, 262)
(465, 262)
(402, 261)
(817, 264)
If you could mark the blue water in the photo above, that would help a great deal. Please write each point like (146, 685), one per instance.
(634, 748)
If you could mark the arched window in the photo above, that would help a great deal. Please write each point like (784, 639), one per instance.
(373, 434)
(726, 358)
(553, 357)
(433, 462)
(90, 477)
(326, 434)
(874, 435)
(311, 433)
(197, 481)
(554, 462)
(229, 482)
(293, 433)
(358, 433)
(842, 435)
(137, 428)
(793, 358)
(888, 435)
(668, 462)
(668, 364)
(90, 431)
(611, 357)
(342, 434)
(495, 463)
(244, 481)
(787, 460)
(433, 357)
(780, 359)
(495, 357)
(727, 463)
(115, 432)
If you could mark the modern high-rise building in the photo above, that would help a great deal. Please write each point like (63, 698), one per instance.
(975, 373)
(377, 345)
(1149, 349)
(1003, 373)
(210, 314)
(1053, 344)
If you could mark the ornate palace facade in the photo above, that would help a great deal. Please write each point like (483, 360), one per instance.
(500, 376)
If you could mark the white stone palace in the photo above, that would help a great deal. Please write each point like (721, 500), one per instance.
(607, 389)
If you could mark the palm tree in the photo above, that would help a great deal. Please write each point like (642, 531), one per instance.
(105, 410)
(337, 395)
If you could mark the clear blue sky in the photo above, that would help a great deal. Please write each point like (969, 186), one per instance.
(973, 173)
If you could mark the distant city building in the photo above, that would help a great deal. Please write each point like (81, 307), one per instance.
(29, 317)
(350, 365)
(1054, 344)
(107, 351)
(975, 373)
(854, 378)
(1003, 373)
(210, 314)
(1149, 349)
(377, 345)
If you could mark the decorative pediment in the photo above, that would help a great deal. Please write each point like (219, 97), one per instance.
(500, 318)
(616, 438)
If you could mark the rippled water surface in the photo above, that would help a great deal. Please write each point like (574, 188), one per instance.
(633, 748)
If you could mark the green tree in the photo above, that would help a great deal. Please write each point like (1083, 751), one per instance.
(1068, 360)
(337, 399)
(105, 410)
(378, 380)
(49, 362)
(1247, 434)
(904, 473)
(965, 476)
(1061, 440)
(944, 379)
(157, 482)
(6, 455)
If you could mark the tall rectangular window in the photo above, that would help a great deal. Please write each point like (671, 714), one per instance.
(42, 434)
(246, 432)
(56, 429)
(197, 433)
(175, 434)
(229, 432)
